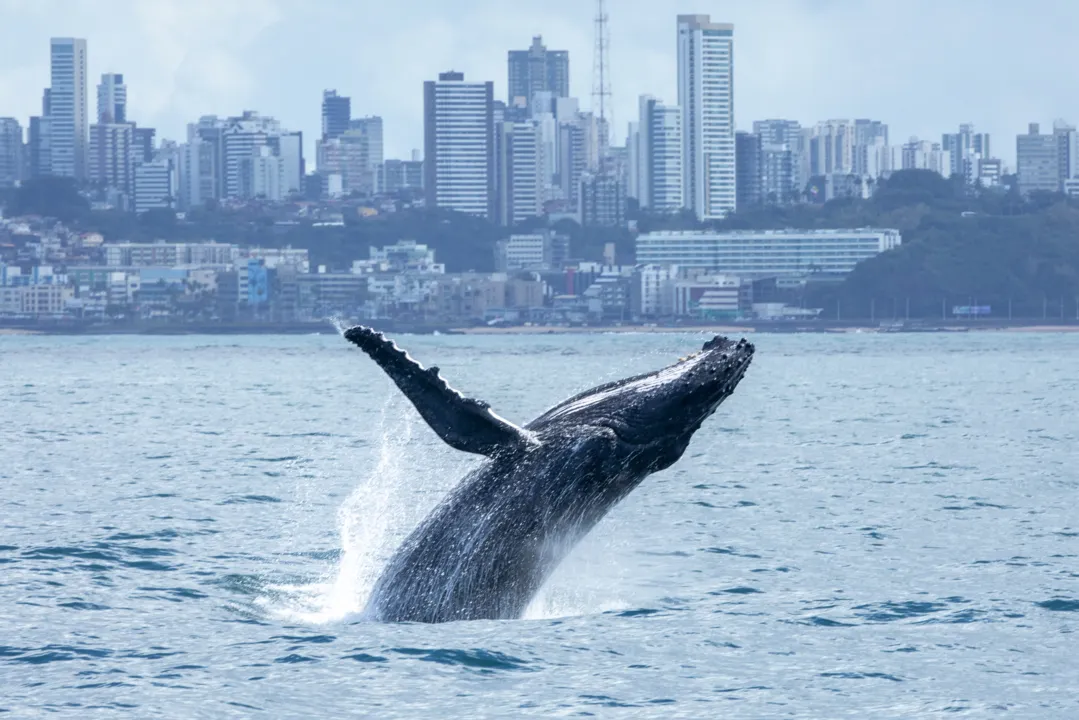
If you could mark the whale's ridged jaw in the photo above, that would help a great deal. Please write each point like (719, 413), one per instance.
(662, 407)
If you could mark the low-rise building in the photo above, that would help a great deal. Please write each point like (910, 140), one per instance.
(713, 297)
(766, 253)
(542, 250)
(652, 293)
(171, 254)
(468, 296)
(35, 300)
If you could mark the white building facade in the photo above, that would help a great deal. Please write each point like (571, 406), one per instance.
(767, 253)
(657, 169)
(459, 152)
(69, 123)
(155, 184)
(706, 96)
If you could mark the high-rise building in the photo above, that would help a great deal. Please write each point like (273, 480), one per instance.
(40, 146)
(867, 131)
(355, 156)
(336, 113)
(967, 150)
(111, 99)
(749, 165)
(1037, 160)
(784, 163)
(1067, 151)
(155, 184)
(288, 146)
(401, 174)
(197, 182)
(656, 171)
(459, 145)
(571, 160)
(924, 155)
(778, 132)
(208, 134)
(536, 70)
(370, 129)
(241, 139)
(831, 148)
(706, 96)
(521, 157)
(778, 172)
(116, 145)
(11, 152)
(68, 107)
(264, 175)
(144, 148)
(603, 200)
(111, 161)
(869, 136)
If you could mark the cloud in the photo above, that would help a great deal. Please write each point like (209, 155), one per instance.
(923, 66)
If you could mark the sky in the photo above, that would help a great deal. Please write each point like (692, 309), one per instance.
(922, 66)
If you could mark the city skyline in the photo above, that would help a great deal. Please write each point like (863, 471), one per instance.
(181, 61)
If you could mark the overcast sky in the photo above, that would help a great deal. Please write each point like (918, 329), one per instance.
(922, 66)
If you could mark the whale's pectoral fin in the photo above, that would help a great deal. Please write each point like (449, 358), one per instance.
(464, 423)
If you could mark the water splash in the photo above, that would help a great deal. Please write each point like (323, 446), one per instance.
(369, 524)
(586, 582)
(338, 323)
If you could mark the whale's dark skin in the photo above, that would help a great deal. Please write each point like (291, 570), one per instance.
(484, 552)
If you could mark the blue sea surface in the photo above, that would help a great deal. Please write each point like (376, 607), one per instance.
(872, 526)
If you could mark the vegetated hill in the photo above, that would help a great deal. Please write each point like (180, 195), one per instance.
(961, 245)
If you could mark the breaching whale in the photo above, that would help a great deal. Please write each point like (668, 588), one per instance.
(486, 549)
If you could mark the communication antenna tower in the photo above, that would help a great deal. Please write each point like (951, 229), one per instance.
(601, 77)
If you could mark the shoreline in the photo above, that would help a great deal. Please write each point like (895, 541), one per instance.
(734, 329)
(713, 329)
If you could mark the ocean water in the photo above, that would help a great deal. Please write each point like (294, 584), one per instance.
(872, 526)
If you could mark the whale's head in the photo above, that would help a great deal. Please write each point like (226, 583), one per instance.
(665, 407)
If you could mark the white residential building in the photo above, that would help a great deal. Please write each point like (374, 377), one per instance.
(522, 172)
(831, 148)
(68, 107)
(459, 155)
(268, 175)
(195, 171)
(656, 167)
(706, 96)
(923, 155)
(162, 254)
(241, 139)
(155, 184)
(966, 150)
(767, 253)
(653, 291)
(354, 155)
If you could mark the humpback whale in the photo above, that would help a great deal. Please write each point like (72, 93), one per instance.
(488, 547)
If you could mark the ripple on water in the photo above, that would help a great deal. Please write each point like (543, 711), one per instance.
(250, 499)
(1060, 605)
(51, 653)
(366, 658)
(475, 658)
(861, 676)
